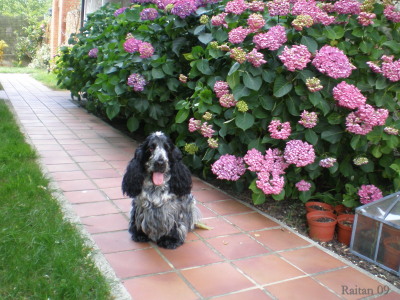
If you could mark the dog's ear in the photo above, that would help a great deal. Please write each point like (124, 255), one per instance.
(181, 180)
(134, 176)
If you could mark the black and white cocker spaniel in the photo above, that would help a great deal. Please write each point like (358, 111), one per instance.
(163, 208)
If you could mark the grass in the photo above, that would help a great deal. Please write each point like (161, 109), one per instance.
(47, 78)
(42, 256)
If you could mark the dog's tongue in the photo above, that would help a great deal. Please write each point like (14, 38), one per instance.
(158, 178)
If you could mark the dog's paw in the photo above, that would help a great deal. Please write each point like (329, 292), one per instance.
(169, 242)
(140, 238)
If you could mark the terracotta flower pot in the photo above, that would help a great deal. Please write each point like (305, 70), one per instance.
(344, 228)
(391, 254)
(321, 225)
(318, 206)
(340, 209)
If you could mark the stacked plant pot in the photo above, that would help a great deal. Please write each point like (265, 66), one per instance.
(323, 221)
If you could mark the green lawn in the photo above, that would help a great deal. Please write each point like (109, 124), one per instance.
(42, 256)
(47, 78)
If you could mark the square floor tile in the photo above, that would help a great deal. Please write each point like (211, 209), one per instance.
(114, 193)
(228, 207)
(350, 283)
(237, 246)
(90, 166)
(191, 254)
(205, 211)
(256, 294)
(268, 269)
(159, 287)
(312, 260)
(280, 239)
(299, 289)
(216, 279)
(85, 196)
(105, 223)
(69, 175)
(109, 182)
(252, 221)
(210, 195)
(137, 262)
(76, 185)
(94, 209)
(117, 241)
(125, 205)
(104, 174)
(219, 227)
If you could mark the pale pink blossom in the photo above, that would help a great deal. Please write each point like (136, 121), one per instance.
(207, 130)
(255, 58)
(255, 22)
(228, 167)
(278, 7)
(348, 95)
(279, 130)
(369, 193)
(392, 13)
(308, 119)
(347, 7)
(194, 125)
(236, 7)
(272, 40)
(299, 153)
(303, 186)
(327, 162)
(238, 34)
(295, 58)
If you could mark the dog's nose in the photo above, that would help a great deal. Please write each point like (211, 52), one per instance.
(160, 165)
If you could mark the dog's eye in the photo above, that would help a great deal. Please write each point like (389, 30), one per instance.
(152, 148)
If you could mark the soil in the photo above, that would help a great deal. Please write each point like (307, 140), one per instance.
(317, 207)
(291, 213)
(325, 220)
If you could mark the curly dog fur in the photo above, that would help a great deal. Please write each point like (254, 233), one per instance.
(163, 208)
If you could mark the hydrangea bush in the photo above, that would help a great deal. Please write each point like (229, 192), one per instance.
(290, 98)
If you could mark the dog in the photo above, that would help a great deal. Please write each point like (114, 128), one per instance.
(163, 208)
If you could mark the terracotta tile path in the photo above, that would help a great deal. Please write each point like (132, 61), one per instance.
(246, 256)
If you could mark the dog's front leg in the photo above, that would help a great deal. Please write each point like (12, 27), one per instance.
(137, 235)
(170, 241)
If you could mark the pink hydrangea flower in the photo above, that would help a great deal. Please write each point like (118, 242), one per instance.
(183, 8)
(219, 20)
(227, 100)
(374, 67)
(137, 81)
(299, 153)
(238, 54)
(119, 11)
(236, 7)
(374, 117)
(255, 58)
(332, 62)
(303, 186)
(304, 7)
(347, 7)
(206, 130)
(148, 14)
(237, 35)
(348, 95)
(131, 45)
(221, 88)
(308, 119)
(356, 125)
(194, 125)
(272, 40)
(278, 7)
(270, 183)
(254, 159)
(327, 162)
(93, 52)
(256, 6)
(279, 130)
(314, 84)
(387, 58)
(228, 167)
(365, 18)
(255, 22)
(369, 193)
(295, 58)
(391, 13)
(146, 50)
(391, 70)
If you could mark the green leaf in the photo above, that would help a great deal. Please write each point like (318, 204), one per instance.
(311, 136)
(310, 43)
(157, 73)
(253, 83)
(244, 121)
(182, 115)
(381, 83)
(234, 68)
(113, 110)
(394, 45)
(233, 80)
(205, 38)
(268, 75)
(333, 135)
(132, 124)
(281, 86)
(280, 196)
(177, 44)
(204, 67)
(120, 89)
(267, 101)
(333, 33)
(240, 91)
(221, 36)
(199, 29)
